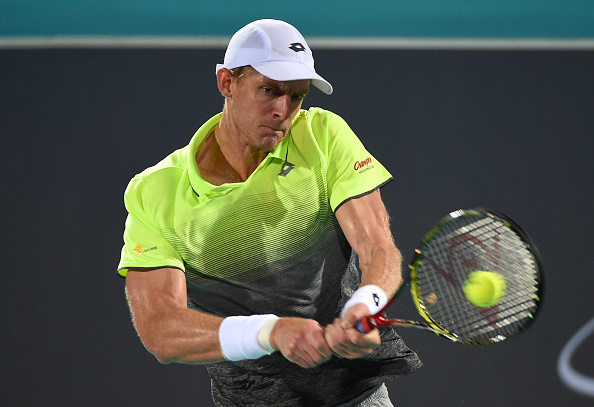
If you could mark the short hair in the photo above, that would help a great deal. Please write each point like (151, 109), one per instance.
(241, 71)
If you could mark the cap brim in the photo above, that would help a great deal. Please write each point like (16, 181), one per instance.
(292, 71)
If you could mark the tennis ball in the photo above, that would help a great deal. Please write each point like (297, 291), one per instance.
(484, 288)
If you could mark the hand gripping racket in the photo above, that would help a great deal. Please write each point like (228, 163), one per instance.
(461, 243)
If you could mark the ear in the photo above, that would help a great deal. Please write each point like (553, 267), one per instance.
(224, 79)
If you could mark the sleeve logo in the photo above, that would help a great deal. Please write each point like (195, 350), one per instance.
(140, 249)
(364, 165)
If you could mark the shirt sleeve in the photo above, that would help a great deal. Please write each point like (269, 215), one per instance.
(145, 247)
(352, 170)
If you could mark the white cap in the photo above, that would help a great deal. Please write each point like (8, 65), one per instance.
(275, 49)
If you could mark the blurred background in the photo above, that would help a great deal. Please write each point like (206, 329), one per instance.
(467, 103)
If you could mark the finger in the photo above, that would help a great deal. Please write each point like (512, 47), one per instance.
(323, 347)
(364, 340)
(348, 353)
(340, 343)
(320, 352)
(310, 354)
(317, 347)
(311, 359)
(353, 350)
(301, 362)
(353, 314)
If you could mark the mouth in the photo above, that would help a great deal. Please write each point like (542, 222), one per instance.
(281, 130)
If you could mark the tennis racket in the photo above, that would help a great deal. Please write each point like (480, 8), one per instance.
(463, 242)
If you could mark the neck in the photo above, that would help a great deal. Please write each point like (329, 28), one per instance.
(224, 159)
(243, 157)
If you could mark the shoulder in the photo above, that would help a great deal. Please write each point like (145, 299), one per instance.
(319, 118)
(161, 177)
(323, 127)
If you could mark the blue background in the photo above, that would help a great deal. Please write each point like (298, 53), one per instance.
(382, 18)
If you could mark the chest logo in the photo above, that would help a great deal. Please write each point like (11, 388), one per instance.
(287, 168)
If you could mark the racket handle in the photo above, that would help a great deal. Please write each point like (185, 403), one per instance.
(363, 326)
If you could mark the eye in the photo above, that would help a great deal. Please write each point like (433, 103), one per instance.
(268, 91)
(299, 97)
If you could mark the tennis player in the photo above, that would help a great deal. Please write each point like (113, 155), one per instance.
(256, 248)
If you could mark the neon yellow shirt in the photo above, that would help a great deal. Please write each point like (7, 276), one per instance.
(177, 219)
(269, 245)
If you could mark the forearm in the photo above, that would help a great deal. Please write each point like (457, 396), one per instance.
(174, 333)
(180, 339)
(381, 266)
(366, 224)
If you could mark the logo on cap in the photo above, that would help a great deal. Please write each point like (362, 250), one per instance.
(297, 47)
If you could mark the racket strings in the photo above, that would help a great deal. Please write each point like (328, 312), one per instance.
(467, 244)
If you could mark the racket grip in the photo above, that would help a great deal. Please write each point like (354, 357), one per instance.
(363, 326)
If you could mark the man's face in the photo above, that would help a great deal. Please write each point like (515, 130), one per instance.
(261, 110)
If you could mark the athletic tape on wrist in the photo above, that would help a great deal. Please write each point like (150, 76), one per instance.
(238, 336)
(264, 334)
(371, 295)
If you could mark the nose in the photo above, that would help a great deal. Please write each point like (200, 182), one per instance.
(282, 107)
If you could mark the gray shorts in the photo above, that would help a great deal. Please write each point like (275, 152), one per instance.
(375, 397)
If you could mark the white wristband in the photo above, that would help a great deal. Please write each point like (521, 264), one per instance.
(371, 295)
(238, 336)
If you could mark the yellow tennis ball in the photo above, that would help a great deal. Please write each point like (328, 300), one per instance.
(484, 288)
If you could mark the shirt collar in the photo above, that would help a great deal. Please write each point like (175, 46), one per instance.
(204, 188)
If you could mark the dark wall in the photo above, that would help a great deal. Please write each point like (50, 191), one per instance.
(511, 130)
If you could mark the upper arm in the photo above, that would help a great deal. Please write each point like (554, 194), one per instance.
(166, 326)
(152, 293)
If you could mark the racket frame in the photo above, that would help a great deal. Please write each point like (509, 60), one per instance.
(379, 319)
